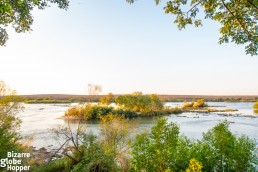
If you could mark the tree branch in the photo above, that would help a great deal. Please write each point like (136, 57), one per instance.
(240, 23)
(194, 7)
(58, 150)
(250, 2)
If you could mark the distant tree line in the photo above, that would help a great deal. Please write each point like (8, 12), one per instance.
(111, 98)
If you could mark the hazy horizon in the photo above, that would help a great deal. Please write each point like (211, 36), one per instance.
(143, 93)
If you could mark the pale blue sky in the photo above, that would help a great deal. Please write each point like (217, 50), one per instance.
(124, 48)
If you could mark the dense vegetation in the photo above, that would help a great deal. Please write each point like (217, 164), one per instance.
(162, 149)
(139, 102)
(134, 105)
(106, 100)
(101, 154)
(9, 123)
(128, 105)
(96, 111)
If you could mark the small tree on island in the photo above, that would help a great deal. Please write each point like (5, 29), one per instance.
(139, 102)
(106, 100)
(93, 91)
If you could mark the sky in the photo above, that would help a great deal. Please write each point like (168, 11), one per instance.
(124, 48)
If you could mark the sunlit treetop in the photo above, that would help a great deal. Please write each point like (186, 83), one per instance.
(17, 13)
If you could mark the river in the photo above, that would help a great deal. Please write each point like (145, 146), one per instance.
(37, 119)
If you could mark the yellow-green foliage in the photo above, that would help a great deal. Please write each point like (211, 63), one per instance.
(139, 102)
(198, 104)
(91, 111)
(88, 111)
(188, 105)
(255, 106)
(106, 100)
(116, 134)
(163, 149)
(194, 166)
(74, 111)
(9, 123)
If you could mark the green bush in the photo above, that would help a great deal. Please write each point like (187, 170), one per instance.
(90, 111)
(94, 157)
(94, 111)
(219, 150)
(126, 113)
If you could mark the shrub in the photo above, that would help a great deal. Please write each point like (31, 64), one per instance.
(94, 157)
(188, 105)
(126, 113)
(219, 150)
(139, 102)
(198, 104)
(106, 100)
(90, 111)
(153, 151)
(255, 106)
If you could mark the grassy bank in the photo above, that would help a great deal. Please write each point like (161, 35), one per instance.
(47, 101)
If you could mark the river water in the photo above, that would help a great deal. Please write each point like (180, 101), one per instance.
(38, 119)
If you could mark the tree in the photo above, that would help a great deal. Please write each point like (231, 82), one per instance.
(94, 158)
(199, 103)
(93, 91)
(139, 102)
(9, 123)
(106, 100)
(221, 150)
(157, 150)
(18, 14)
(116, 137)
(81, 152)
(238, 18)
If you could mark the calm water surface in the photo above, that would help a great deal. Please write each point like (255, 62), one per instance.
(37, 119)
